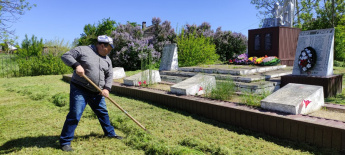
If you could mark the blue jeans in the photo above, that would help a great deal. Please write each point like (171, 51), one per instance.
(78, 100)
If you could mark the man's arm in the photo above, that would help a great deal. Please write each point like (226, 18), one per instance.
(108, 79)
(70, 59)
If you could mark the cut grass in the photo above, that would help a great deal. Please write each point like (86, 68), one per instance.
(33, 126)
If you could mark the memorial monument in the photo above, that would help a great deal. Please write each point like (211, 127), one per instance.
(313, 63)
(277, 37)
(169, 60)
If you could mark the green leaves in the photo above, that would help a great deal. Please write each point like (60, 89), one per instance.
(104, 27)
(42, 65)
(31, 47)
(194, 50)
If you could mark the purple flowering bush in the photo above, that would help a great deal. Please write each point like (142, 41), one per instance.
(204, 29)
(131, 47)
(163, 34)
(229, 44)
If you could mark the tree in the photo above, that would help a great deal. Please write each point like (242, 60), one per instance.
(31, 47)
(57, 46)
(91, 32)
(10, 10)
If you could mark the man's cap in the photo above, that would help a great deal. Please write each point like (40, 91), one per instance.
(105, 39)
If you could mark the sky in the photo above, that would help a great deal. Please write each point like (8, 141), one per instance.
(65, 19)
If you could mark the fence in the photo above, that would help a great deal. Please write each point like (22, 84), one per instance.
(8, 67)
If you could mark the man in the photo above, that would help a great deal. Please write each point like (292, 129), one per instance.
(93, 62)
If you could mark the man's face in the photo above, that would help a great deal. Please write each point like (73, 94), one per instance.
(105, 49)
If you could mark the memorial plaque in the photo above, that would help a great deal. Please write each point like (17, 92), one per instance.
(257, 42)
(169, 58)
(268, 42)
(322, 41)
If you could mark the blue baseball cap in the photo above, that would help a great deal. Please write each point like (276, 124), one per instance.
(105, 39)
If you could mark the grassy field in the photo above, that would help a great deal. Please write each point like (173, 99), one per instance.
(31, 122)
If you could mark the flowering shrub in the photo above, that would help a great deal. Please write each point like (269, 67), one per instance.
(162, 34)
(131, 48)
(229, 44)
(203, 30)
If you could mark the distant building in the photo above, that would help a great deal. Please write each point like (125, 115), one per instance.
(148, 31)
(11, 48)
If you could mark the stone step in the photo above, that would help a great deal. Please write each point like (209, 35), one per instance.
(244, 78)
(173, 79)
(231, 69)
(257, 87)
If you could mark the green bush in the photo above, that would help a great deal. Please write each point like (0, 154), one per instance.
(31, 47)
(339, 63)
(42, 65)
(194, 50)
(339, 41)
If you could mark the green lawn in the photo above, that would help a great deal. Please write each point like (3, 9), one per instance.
(31, 124)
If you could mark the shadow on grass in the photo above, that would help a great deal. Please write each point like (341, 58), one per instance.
(311, 148)
(40, 142)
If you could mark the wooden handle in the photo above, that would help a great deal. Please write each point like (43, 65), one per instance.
(118, 106)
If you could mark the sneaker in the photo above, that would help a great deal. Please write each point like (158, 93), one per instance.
(66, 148)
(116, 136)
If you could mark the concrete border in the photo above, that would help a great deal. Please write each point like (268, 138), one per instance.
(302, 128)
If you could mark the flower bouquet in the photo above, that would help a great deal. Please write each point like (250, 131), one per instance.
(270, 61)
(241, 59)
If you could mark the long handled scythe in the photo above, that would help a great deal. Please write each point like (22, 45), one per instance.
(118, 106)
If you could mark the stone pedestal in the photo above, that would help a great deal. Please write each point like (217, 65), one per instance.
(332, 85)
(147, 76)
(274, 41)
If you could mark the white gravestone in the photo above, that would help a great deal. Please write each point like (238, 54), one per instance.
(322, 41)
(195, 85)
(169, 58)
(147, 76)
(295, 99)
(118, 73)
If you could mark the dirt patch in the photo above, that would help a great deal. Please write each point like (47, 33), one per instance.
(329, 114)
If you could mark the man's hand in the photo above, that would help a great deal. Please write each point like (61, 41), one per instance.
(105, 93)
(79, 70)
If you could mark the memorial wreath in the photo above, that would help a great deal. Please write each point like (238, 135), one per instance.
(307, 59)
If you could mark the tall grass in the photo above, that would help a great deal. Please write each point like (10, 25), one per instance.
(254, 100)
(224, 90)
